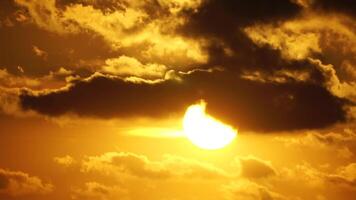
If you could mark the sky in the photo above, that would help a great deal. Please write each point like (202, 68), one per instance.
(94, 96)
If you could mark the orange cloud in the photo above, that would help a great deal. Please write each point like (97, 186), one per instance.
(66, 161)
(125, 163)
(333, 83)
(47, 16)
(16, 183)
(302, 37)
(39, 52)
(133, 28)
(129, 66)
(248, 190)
(345, 175)
(252, 167)
(97, 191)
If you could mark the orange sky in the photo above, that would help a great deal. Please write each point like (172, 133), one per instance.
(93, 95)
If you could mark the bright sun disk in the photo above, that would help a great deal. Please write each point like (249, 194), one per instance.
(205, 131)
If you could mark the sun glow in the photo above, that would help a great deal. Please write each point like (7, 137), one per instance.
(205, 131)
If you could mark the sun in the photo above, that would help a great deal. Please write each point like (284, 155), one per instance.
(205, 131)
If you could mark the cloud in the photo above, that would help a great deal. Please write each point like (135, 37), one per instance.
(278, 76)
(255, 50)
(325, 40)
(305, 177)
(9, 102)
(39, 52)
(345, 152)
(345, 176)
(346, 136)
(12, 81)
(128, 66)
(133, 28)
(46, 15)
(339, 142)
(338, 138)
(304, 173)
(239, 13)
(294, 44)
(66, 161)
(100, 22)
(16, 183)
(334, 84)
(142, 28)
(267, 47)
(239, 102)
(252, 167)
(227, 44)
(177, 6)
(248, 190)
(320, 178)
(135, 97)
(54, 79)
(130, 164)
(83, 53)
(97, 191)
(340, 6)
(306, 35)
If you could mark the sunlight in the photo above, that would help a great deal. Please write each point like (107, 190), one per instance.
(205, 131)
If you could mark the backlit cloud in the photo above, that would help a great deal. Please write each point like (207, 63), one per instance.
(226, 94)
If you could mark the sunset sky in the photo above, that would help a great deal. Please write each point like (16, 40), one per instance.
(177, 99)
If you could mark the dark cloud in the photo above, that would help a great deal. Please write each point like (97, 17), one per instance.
(243, 103)
(248, 104)
(342, 6)
(7, 7)
(110, 97)
(269, 106)
(222, 23)
(221, 17)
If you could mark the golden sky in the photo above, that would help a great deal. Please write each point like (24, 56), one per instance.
(177, 99)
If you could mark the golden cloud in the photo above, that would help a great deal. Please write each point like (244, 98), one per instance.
(16, 183)
(319, 178)
(248, 190)
(294, 44)
(176, 6)
(333, 83)
(39, 52)
(126, 163)
(301, 37)
(66, 161)
(97, 191)
(132, 29)
(46, 15)
(129, 66)
(348, 173)
(253, 167)
(339, 141)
